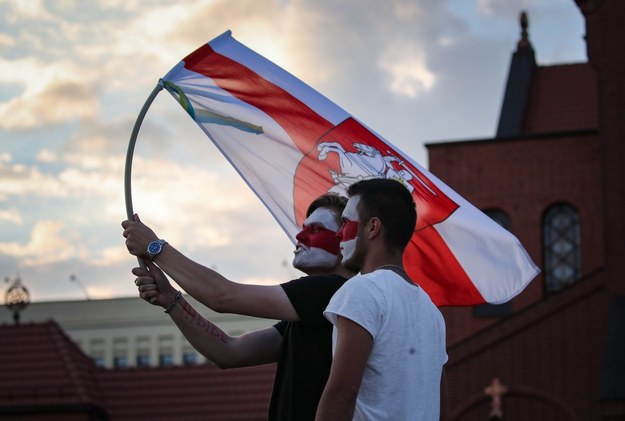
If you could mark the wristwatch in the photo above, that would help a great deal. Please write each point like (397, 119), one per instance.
(155, 247)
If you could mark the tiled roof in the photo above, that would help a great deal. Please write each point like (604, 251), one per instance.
(41, 367)
(188, 393)
(562, 98)
(42, 371)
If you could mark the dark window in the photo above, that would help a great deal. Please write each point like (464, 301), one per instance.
(561, 243)
(165, 350)
(189, 358)
(165, 360)
(120, 361)
(143, 360)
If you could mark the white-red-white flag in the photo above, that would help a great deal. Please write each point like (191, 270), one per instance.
(291, 144)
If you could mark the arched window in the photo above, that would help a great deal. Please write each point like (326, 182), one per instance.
(561, 244)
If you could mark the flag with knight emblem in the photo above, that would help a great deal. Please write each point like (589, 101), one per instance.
(291, 144)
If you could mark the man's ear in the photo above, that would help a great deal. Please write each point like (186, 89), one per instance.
(375, 227)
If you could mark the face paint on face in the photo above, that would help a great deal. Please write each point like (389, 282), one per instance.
(347, 235)
(319, 230)
(317, 246)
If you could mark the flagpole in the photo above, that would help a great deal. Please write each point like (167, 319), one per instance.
(130, 152)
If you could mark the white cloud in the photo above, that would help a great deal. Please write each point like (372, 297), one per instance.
(20, 180)
(110, 256)
(49, 242)
(408, 72)
(46, 155)
(406, 9)
(54, 92)
(6, 41)
(11, 215)
(27, 9)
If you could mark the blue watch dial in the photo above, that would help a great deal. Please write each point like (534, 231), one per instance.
(154, 247)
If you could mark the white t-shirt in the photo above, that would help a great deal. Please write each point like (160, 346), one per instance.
(402, 377)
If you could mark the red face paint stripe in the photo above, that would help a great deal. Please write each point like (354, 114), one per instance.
(314, 236)
(348, 231)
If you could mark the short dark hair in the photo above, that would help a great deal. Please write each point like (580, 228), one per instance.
(392, 203)
(328, 200)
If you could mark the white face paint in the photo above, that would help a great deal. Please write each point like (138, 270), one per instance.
(349, 230)
(317, 246)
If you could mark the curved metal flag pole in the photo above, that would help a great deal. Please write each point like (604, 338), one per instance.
(130, 152)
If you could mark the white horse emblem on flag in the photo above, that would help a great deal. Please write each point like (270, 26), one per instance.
(367, 162)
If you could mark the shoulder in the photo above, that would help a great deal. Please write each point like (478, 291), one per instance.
(314, 281)
(360, 281)
(360, 288)
(311, 294)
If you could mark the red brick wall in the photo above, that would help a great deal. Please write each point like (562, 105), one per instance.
(562, 98)
(606, 52)
(552, 351)
(523, 177)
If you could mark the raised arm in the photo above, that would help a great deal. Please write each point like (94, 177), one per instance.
(207, 286)
(352, 351)
(253, 348)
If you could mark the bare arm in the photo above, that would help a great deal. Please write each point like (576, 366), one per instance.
(253, 348)
(353, 347)
(207, 286)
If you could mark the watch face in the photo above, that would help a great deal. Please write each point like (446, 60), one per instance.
(154, 247)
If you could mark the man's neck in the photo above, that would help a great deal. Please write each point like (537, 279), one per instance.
(374, 261)
(345, 273)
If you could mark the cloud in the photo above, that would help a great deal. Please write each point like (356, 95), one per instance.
(11, 215)
(19, 180)
(110, 256)
(46, 155)
(34, 10)
(6, 41)
(409, 75)
(54, 93)
(50, 241)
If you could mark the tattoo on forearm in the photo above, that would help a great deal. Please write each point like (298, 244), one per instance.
(194, 317)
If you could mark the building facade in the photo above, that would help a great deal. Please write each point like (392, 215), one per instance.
(128, 332)
(554, 176)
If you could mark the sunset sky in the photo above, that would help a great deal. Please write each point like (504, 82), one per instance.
(74, 75)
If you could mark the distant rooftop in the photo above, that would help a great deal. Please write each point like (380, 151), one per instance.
(43, 372)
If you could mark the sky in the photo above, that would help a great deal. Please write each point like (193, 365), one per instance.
(74, 76)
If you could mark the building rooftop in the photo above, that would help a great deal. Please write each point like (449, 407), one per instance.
(44, 372)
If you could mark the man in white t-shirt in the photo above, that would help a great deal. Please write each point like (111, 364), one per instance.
(388, 338)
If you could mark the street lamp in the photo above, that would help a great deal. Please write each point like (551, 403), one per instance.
(16, 298)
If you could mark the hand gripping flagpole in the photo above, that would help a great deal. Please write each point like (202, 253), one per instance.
(130, 152)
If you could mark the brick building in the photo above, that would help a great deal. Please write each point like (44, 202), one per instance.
(554, 176)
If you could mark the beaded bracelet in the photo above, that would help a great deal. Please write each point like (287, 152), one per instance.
(173, 303)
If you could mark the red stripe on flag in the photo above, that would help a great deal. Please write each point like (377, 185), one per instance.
(302, 124)
(432, 265)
